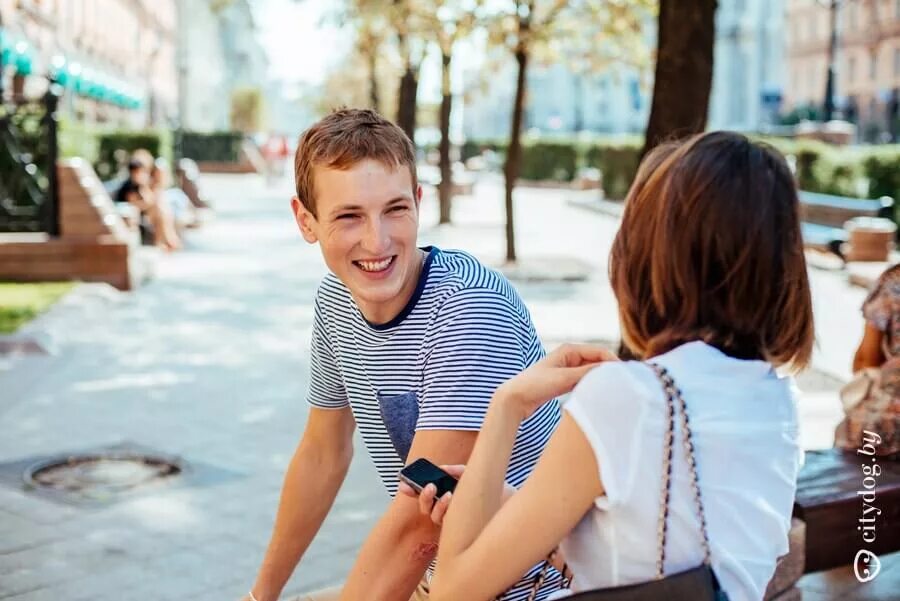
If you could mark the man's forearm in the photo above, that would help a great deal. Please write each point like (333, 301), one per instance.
(310, 487)
(393, 559)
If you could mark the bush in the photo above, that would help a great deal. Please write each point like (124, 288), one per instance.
(80, 139)
(548, 161)
(882, 168)
(474, 148)
(617, 162)
(219, 147)
(116, 147)
(820, 167)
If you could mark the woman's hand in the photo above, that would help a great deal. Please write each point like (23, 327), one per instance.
(434, 508)
(552, 376)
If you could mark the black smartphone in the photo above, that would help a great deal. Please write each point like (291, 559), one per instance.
(421, 472)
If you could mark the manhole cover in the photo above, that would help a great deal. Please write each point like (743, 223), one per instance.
(21, 346)
(100, 476)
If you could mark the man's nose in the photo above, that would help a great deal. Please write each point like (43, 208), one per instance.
(376, 240)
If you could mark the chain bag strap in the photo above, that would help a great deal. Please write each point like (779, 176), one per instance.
(673, 395)
(696, 584)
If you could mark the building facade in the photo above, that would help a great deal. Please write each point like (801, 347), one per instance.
(867, 61)
(558, 99)
(116, 58)
(219, 52)
(748, 69)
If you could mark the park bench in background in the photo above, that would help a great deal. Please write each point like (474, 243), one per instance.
(94, 243)
(823, 217)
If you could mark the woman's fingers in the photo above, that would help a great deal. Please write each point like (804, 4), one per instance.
(440, 508)
(576, 355)
(426, 499)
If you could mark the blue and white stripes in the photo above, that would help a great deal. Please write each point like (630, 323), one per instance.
(464, 332)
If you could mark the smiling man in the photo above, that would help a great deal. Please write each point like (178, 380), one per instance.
(408, 345)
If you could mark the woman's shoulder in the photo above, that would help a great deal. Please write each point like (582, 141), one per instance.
(620, 387)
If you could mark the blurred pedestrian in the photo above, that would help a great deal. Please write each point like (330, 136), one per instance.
(871, 399)
(138, 191)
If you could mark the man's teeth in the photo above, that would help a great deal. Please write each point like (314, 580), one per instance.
(375, 265)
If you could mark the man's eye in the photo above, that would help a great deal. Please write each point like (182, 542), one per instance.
(346, 216)
(397, 209)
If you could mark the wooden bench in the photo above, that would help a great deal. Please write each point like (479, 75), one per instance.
(823, 217)
(94, 245)
(827, 501)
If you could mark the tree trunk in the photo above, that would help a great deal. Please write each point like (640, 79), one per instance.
(514, 152)
(684, 67)
(445, 190)
(406, 103)
(374, 99)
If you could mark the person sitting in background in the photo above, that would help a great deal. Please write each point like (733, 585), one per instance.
(137, 191)
(709, 273)
(177, 202)
(872, 399)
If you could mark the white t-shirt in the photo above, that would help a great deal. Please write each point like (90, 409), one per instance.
(744, 425)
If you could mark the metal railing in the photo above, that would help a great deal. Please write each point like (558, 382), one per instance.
(29, 190)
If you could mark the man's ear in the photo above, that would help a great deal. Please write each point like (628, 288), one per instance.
(305, 220)
(418, 195)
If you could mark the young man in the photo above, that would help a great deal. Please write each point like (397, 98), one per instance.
(408, 344)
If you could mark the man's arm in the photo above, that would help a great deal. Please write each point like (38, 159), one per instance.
(402, 544)
(311, 484)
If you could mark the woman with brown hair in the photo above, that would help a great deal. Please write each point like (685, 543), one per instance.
(709, 273)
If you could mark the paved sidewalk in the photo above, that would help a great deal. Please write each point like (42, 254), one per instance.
(209, 362)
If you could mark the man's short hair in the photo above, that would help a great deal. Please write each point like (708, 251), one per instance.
(343, 139)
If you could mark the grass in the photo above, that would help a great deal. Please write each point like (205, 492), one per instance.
(20, 303)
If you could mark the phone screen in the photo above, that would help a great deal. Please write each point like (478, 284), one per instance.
(422, 472)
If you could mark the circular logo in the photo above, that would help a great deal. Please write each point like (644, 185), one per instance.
(866, 565)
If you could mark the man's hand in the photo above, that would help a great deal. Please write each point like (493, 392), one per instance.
(402, 544)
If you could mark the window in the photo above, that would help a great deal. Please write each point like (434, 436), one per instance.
(897, 61)
(851, 69)
(873, 66)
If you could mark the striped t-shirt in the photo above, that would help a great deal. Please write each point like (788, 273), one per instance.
(435, 366)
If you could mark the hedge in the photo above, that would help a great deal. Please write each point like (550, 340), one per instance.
(855, 172)
(560, 159)
(617, 162)
(80, 139)
(221, 147)
(116, 147)
(548, 161)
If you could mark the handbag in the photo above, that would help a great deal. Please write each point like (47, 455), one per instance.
(696, 584)
(871, 402)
